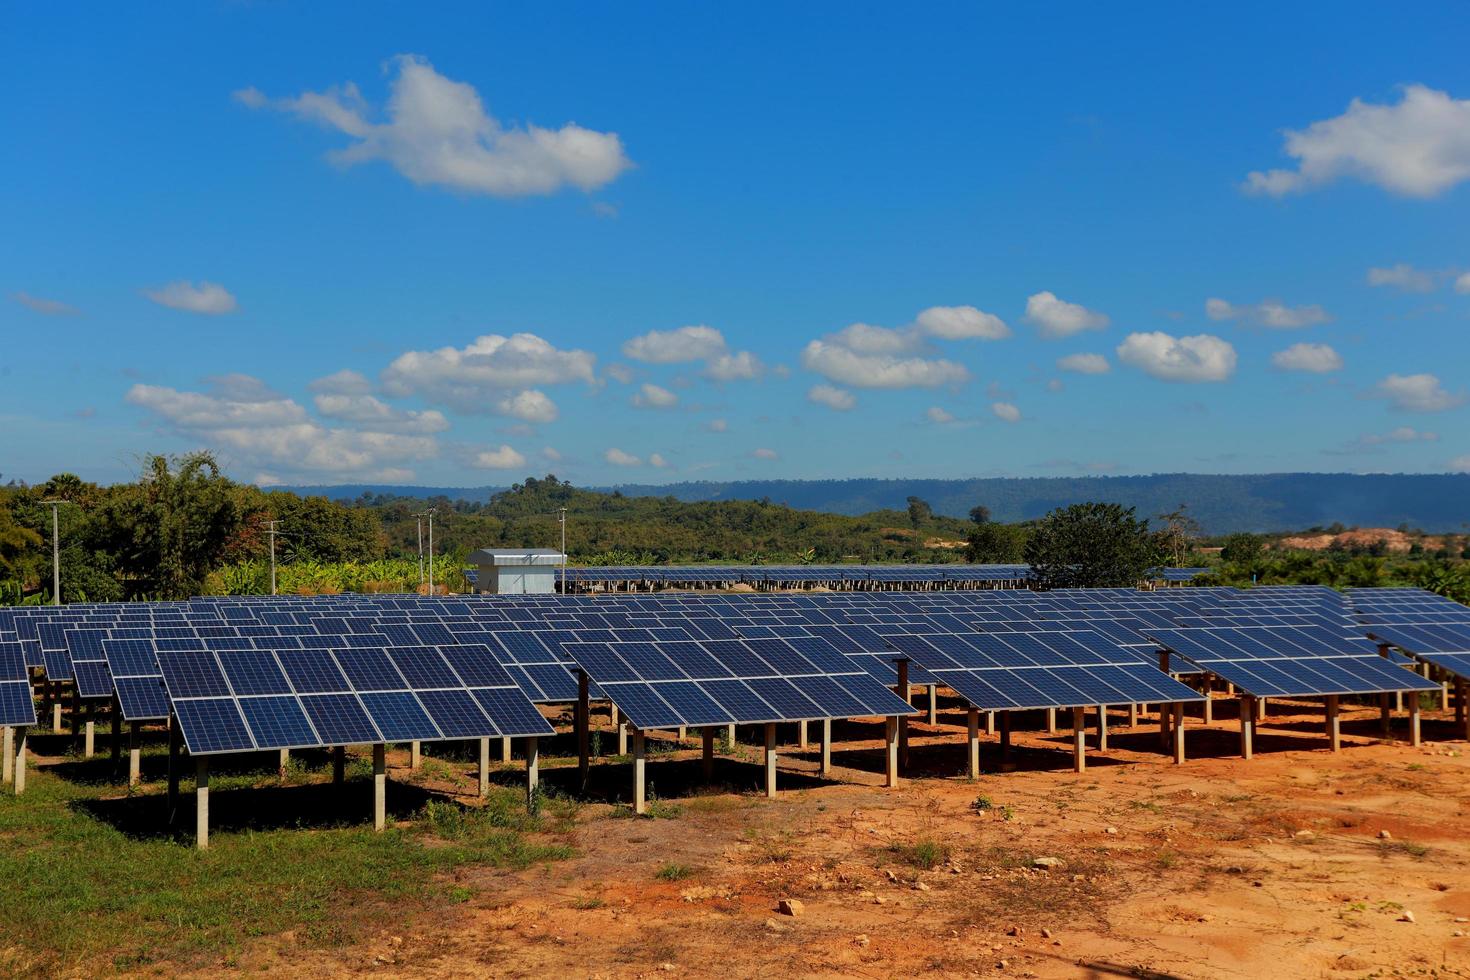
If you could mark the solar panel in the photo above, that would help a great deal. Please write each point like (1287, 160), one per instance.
(232, 701)
(1290, 661)
(17, 708)
(136, 679)
(679, 683)
(1445, 645)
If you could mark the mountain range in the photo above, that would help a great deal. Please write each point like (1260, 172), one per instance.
(1221, 503)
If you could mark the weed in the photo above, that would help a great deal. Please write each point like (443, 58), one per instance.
(925, 854)
(981, 804)
(674, 872)
(1007, 814)
(588, 903)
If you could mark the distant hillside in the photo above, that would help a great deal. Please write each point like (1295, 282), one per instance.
(1221, 503)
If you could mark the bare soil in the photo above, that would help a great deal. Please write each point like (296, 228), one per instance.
(1298, 863)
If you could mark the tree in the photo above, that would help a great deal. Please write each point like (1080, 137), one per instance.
(920, 513)
(1091, 545)
(1001, 544)
(1243, 548)
(1178, 535)
(980, 514)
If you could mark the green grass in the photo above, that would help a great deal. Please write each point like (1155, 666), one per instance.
(924, 854)
(674, 871)
(94, 880)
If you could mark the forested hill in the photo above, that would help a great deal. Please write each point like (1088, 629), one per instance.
(1221, 503)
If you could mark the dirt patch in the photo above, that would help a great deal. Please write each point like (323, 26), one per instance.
(1299, 863)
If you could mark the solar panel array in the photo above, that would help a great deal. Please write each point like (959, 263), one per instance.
(16, 706)
(957, 638)
(828, 574)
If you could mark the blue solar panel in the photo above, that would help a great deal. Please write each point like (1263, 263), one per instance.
(212, 725)
(278, 723)
(340, 719)
(399, 716)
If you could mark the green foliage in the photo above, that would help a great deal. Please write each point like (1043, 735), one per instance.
(1001, 544)
(1091, 545)
(925, 854)
(1243, 548)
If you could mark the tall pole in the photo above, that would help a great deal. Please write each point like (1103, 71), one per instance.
(420, 518)
(55, 555)
(273, 554)
(563, 550)
(431, 551)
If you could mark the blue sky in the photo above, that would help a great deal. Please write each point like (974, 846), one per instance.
(457, 245)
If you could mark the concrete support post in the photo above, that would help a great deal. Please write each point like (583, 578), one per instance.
(1260, 709)
(707, 738)
(117, 720)
(76, 710)
(1247, 727)
(623, 738)
(680, 733)
(20, 761)
(484, 768)
(730, 733)
(339, 765)
(905, 692)
(1207, 711)
(826, 766)
(1385, 716)
(7, 749)
(89, 738)
(612, 714)
(1079, 744)
(974, 738)
(1051, 721)
(56, 710)
(533, 769)
(802, 741)
(1102, 728)
(1133, 716)
(1005, 735)
(639, 803)
(1334, 725)
(201, 802)
(990, 723)
(415, 755)
(135, 754)
(582, 723)
(284, 763)
(1178, 708)
(174, 764)
(505, 749)
(1166, 719)
(1414, 719)
(770, 759)
(933, 704)
(890, 751)
(380, 786)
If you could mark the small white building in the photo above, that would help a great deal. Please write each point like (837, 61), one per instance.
(516, 571)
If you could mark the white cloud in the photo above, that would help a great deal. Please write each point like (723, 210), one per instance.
(832, 397)
(1403, 276)
(1419, 147)
(938, 415)
(1084, 363)
(1403, 433)
(492, 374)
(717, 425)
(1268, 313)
(1055, 317)
(436, 132)
(834, 360)
(1005, 411)
(1189, 359)
(693, 343)
(46, 307)
(344, 382)
(620, 373)
(961, 323)
(619, 458)
(503, 458)
(1460, 464)
(240, 416)
(737, 366)
(372, 413)
(1462, 283)
(1316, 358)
(551, 454)
(528, 406)
(652, 396)
(657, 461)
(1417, 393)
(864, 338)
(208, 298)
(764, 453)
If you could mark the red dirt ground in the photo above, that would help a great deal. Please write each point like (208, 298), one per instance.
(1277, 867)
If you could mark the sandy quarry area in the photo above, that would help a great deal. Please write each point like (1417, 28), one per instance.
(1299, 863)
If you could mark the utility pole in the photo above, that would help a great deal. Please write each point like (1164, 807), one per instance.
(271, 529)
(431, 549)
(420, 519)
(55, 551)
(563, 550)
